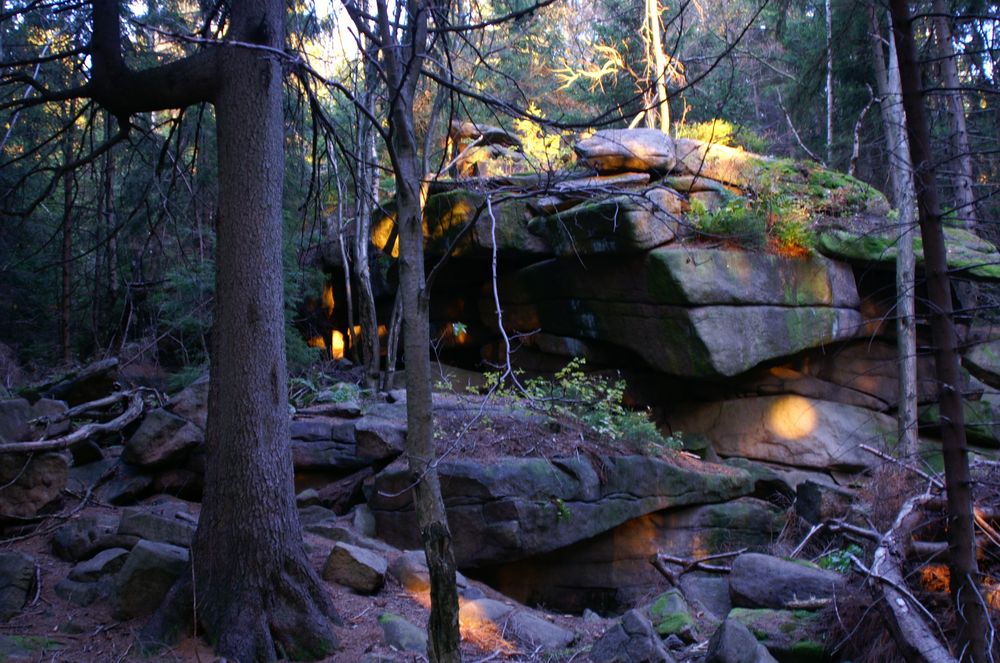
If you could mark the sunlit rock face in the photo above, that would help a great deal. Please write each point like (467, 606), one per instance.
(689, 312)
(612, 569)
(791, 430)
(512, 508)
(617, 150)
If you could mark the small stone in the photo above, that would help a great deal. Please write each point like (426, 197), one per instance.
(364, 520)
(75, 540)
(17, 582)
(537, 632)
(308, 497)
(732, 642)
(401, 634)
(356, 568)
(161, 524)
(102, 564)
(78, 593)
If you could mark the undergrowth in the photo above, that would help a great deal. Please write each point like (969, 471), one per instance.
(594, 401)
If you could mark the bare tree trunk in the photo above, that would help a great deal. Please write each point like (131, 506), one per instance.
(658, 62)
(829, 83)
(894, 126)
(970, 610)
(965, 197)
(366, 194)
(402, 61)
(66, 267)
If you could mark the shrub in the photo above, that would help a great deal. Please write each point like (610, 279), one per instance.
(594, 401)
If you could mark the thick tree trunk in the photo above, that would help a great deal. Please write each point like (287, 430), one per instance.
(257, 594)
(965, 197)
(894, 127)
(970, 611)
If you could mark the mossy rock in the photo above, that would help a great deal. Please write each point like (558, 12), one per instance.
(671, 615)
(792, 636)
(967, 252)
(980, 416)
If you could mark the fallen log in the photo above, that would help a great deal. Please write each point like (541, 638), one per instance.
(131, 413)
(904, 613)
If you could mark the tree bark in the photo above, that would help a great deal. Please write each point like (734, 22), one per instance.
(402, 66)
(658, 62)
(829, 83)
(894, 126)
(258, 596)
(971, 616)
(965, 197)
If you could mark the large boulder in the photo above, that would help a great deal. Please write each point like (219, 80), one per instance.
(147, 575)
(162, 438)
(730, 165)
(612, 569)
(192, 402)
(968, 253)
(622, 224)
(31, 482)
(688, 312)
(21, 420)
(511, 508)
(763, 581)
(616, 150)
(983, 361)
(790, 430)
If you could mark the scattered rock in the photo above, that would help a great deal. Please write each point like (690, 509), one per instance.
(80, 593)
(410, 571)
(818, 502)
(762, 581)
(161, 438)
(537, 632)
(90, 383)
(191, 402)
(789, 635)
(76, 539)
(31, 482)
(357, 568)
(670, 615)
(308, 497)
(709, 591)
(732, 642)
(401, 634)
(102, 564)
(630, 640)
(17, 582)
(167, 524)
(380, 438)
(147, 575)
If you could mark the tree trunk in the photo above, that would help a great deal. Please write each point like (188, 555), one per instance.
(366, 195)
(66, 265)
(894, 126)
(402, 65)
(658, 63)
(965, 197)
(258, 596)
(970, 611)
(829, 84)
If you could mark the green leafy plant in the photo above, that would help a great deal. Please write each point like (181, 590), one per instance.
(840, 560)
(594, 401)
(722, 132)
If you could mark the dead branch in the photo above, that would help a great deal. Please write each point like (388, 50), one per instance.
(906, 466)
(903, 610)
(131, 413)
(82, 408)
(660, 560)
